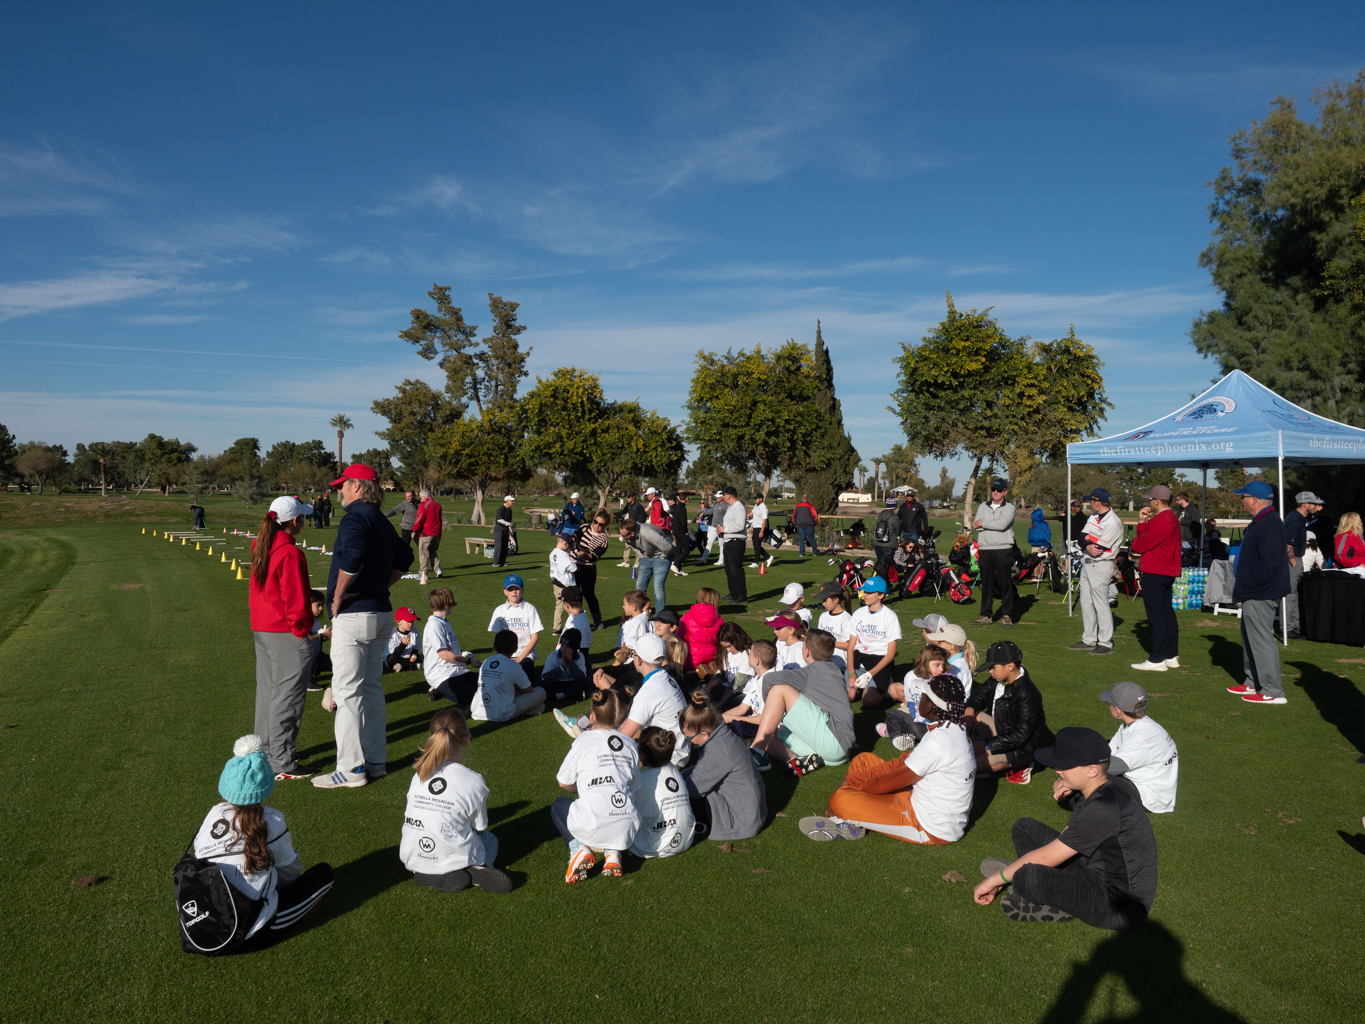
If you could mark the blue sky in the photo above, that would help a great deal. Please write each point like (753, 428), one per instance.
(214, 222)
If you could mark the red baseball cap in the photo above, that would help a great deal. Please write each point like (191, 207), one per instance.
(405, 615)
(355, 472)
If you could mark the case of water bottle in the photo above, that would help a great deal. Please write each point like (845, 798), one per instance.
(1188, 591)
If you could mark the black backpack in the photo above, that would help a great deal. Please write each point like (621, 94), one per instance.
(215, 916)
(884, 532)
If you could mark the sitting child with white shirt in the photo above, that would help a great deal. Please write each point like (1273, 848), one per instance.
(601, 770)
(666, 823)
(905, 725)
(446, 843)
(743, 717)
(1142, 751)
(634, 622)
(504, 691)
(577, 619)
(447, 667)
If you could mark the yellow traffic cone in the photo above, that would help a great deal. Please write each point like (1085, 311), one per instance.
(210, 550)
(197, 547)
(144, 531)
(233, 566)
(224, 558)
(239, 575)
(184, 541)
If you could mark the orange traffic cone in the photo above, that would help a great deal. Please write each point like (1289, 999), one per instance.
(763, 568)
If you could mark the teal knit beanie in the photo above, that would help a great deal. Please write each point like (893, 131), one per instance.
(248, 777)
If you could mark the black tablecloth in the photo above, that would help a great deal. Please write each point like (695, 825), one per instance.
(1332, 607)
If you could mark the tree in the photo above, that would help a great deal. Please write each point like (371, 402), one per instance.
(343, 423)
(969, 388)
(242, 459)
(1282, 250)
(826, 467)
(571, 428)
(1346, 273)
(299, 468)
(416, 414)
(755, 411)
(944, 489)
(8, 453)
(485, 447)
(900, 465)
(40, 460)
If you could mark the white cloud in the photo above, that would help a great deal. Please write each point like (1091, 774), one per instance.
(162, 320)
(40, 181)
(28, 297)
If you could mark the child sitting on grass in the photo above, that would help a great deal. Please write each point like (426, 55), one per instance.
(794, 602)
(744, 716)
(728, 798)
(504, 691)
(905, 725)
(962, 656)
(521, 617)
(666, 822)
(447, 667)
(873, 633)
(789, 635)
(577, 619)
(565, 674)
(317, 634)
(703, 622)
(835, 620)
(735, 644)
(446, 843)
(634, 618)
(405, 646)
(600, 769)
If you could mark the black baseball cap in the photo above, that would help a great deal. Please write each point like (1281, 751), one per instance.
(1000, 485)
(1003, 652)
(1073, 748)
(665, 615)
(730, 491)
(831, 589)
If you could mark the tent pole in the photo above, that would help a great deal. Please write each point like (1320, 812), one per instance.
(1284, 601)
(1069, 574)
(1203, 516)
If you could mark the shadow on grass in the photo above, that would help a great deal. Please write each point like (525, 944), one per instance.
(357, 882)
(1023, 603)
(986, 788)
(1150, 961)
(1355, 842)
(1226, 654)
(1337, 700)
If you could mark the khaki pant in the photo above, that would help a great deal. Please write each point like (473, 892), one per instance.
(985, 730)
(559, 604)
(427, 554)
(359, 641)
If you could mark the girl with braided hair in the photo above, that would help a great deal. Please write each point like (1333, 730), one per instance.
(728, 797)
(923, 796)
(446, 843)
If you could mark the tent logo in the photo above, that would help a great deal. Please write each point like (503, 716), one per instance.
(1208, 409)
(1138, 436)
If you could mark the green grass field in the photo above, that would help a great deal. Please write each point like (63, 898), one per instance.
(127, 671)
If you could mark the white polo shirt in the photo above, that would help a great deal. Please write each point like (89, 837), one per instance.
(1149, 752)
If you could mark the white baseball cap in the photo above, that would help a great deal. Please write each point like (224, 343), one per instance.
(509, 498)
(573, 495)
(791, 592)
(649, 649)
(284, 509)
(650, 490)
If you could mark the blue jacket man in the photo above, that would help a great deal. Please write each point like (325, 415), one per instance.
(1262, 572)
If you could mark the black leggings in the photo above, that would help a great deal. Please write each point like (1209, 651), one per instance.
(1156, 597)
(296, 901)
(586, 578)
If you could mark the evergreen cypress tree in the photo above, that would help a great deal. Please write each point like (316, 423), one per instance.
(832, 459)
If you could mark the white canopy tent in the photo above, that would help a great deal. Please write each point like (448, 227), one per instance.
(1237, 422)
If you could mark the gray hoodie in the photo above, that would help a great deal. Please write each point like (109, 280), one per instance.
(652, 542)
(997, 527)
(723, 771)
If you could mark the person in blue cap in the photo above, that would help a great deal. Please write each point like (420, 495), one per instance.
(1099, 543)
(251, 845)
(1262, 579)
(522, 618)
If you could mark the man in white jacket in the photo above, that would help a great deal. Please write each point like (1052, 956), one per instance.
(995, 554)
(1099, 547)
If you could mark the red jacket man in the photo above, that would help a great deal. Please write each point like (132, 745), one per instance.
(1158, 542)
(427, 522)
(426, 527)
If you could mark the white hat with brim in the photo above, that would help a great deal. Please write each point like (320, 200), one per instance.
(649, 649)
(289, 507)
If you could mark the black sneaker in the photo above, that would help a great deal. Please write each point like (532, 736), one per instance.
(315, 686)
(451, 881)
(761, 759)
(489, 879)
(1081, 645)
(1103, 649)
(1016, 908)
(803, 766)
(433, 695)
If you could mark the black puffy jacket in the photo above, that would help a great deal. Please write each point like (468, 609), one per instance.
(1020, 727)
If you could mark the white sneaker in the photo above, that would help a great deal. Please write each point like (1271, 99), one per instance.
(753, 565)
(770, 561)
(906, 742)
(328, 704)
(1150, 666)
(623, 565)
(1172, 662)
(342, 780)
(567, 724)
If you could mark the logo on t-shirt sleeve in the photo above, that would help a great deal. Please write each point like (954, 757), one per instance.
(671, 785)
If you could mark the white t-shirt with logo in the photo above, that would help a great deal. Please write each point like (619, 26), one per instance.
(942, 798)
(444, 817)
(915, 688)
(216, 835)
(874, 630)
(495, 699)
(634, 628)
(836, 625)
(437, 635)
(522, 619)
(604, 764)
(666, 822)
(737, 666)
(753, 693)
(789, 655)
(562, 568)
(658, 702)
(1149, 752)
(580, 623)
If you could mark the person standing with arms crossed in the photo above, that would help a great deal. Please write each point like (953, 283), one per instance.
(426, 527)
(995, 554)
(504, 526)
(1158, 544)
(732, 545)
(407, 508)
(1262, 579)
(368, 559)
(1100, 540)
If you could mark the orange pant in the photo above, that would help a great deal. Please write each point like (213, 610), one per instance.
(862, 800)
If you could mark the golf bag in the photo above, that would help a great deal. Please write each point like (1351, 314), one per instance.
(1130, 585)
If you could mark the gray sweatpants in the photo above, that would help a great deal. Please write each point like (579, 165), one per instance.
(1292, 601)
(359, 640)
(1098, 619)
(283, 665)
(1260, 649)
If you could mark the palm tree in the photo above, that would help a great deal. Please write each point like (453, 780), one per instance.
(343, 423)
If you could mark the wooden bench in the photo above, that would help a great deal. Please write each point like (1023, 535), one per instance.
(483, 543)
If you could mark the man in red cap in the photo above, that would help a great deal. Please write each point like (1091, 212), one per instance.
(368, 559)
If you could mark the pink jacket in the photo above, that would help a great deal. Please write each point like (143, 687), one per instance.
(703, 622)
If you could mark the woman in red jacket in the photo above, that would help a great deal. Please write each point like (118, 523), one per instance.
(1350, 546)
(702, 622)
(281, 617)
(1158, 544)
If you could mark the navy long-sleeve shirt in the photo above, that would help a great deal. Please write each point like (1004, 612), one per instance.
(1262, 565)
(368, 548)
